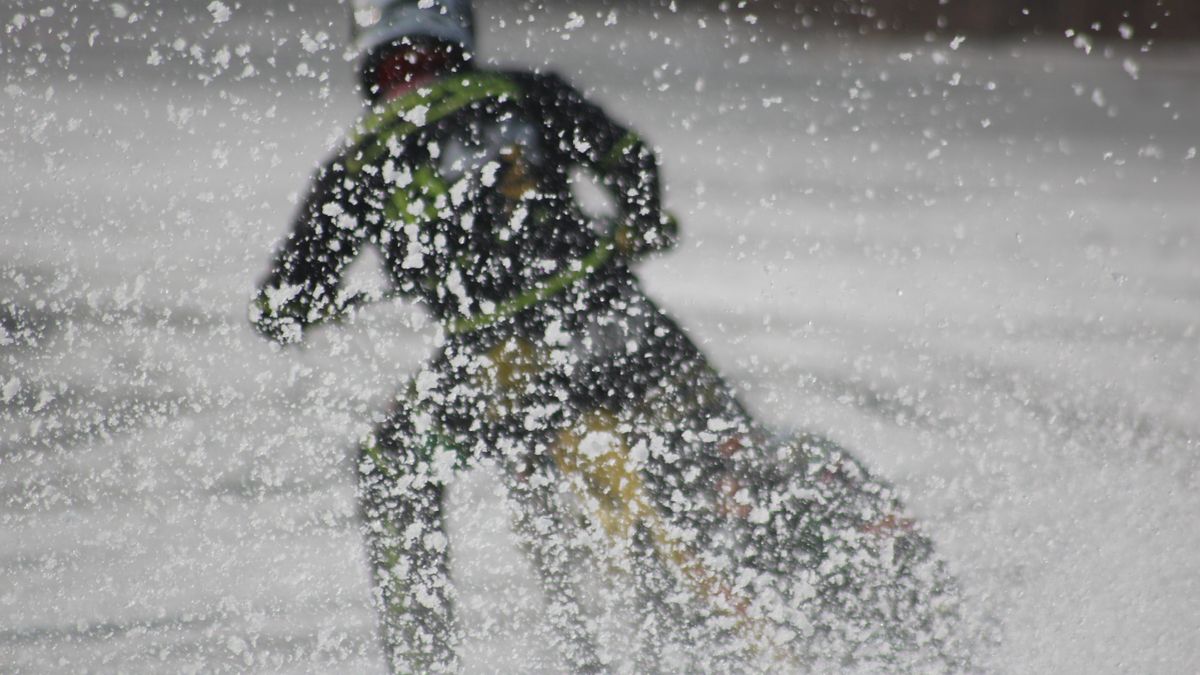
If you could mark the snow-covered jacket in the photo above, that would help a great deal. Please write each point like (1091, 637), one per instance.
(465, 188)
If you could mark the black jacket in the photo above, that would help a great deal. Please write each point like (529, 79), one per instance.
(464, 185)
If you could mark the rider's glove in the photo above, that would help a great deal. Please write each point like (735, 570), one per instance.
(636, 237)
(284, 320)
(273, 323)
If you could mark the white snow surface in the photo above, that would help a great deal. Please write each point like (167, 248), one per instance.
(978, 268)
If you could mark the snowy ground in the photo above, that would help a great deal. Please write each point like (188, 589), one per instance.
(978, 267)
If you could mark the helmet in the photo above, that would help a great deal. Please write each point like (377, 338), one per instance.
(379, 23)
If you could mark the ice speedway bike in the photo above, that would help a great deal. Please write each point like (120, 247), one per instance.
(760, 551)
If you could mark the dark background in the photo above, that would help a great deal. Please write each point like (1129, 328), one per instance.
(1137, 20)
(1142, 19)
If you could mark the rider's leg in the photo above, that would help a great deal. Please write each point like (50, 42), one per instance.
(402, 509)
(555, 545)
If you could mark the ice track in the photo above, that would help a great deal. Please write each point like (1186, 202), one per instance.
(990, 290)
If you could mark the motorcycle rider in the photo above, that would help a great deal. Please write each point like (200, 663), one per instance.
(550, 359)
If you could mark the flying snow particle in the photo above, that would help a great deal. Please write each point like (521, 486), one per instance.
(220, 12)
(1131, 67)
(597, 444)
(488, 173)
(426, 383)
(10, 389)
(759, 515)
(1083, 42)
(718, 424)
(417, 115)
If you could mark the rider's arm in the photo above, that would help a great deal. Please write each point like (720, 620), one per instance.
(627, 167)
(303, 285)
